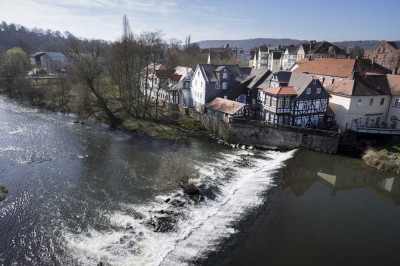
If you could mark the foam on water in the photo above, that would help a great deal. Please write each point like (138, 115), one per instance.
(130, 240)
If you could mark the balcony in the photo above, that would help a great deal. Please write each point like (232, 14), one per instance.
(383, 128)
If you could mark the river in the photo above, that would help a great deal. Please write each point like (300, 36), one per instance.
(81, 193)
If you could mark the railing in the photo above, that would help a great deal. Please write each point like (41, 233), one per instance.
(374, 130)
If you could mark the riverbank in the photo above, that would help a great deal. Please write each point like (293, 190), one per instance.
(171, 125)
(383, 159)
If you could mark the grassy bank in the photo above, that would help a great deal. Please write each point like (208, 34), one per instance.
(388, 160)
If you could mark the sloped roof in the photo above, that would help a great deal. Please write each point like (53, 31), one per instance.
(225, 106)
(328, 67)
(306, 47)
(394, 84)
(292, 49)
(238, 73)
(300, 81)
(288, 90)
(341, 67)
(257, 76)
(361, 86)
(395, 45)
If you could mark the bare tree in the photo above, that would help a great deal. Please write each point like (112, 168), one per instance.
(88, 67)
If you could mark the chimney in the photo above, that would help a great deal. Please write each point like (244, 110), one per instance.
(312, 44)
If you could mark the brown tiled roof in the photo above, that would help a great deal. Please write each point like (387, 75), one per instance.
(328, 67)
(341, 67)
(280, 90)
(361, 86)
(225, 106)
(344, 87)
(394, 84)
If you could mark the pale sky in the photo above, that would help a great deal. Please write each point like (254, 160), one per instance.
(336, 20)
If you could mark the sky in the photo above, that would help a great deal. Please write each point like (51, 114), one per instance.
(336, 20)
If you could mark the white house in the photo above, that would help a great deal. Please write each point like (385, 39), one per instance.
(211, 81)
(289, 57)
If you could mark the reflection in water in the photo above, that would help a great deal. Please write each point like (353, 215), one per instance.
(340, 173)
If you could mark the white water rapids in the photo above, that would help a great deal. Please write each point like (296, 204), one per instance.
(201, 228)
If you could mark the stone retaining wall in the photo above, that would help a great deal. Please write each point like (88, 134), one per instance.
(253, 134)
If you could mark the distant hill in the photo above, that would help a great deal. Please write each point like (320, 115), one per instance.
(247, 44)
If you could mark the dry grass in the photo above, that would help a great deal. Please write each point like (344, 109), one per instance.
(383, 159)
(176, 171)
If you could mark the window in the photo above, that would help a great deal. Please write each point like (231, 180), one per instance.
(198, 74)
(224, 75)
(201, 84)
(287, 102)
(359, 101)
(318, 90)
(382, 101)
(330, 81)
(397, 102)
(383, 63)
(305, 105)
(308, 91)
(217, 85)
(224, 85)
(273, 102)
(371, 101)
(195, 82)
(280, 102)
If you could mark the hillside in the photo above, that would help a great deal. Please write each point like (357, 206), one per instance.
(251, 43)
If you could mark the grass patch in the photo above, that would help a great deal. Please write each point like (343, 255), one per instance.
(383, 159)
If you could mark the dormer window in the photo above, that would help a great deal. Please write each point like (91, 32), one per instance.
(224, 75)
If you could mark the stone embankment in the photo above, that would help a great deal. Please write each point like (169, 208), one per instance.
(283, 137)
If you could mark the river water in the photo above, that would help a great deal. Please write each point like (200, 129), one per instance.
(81, 194)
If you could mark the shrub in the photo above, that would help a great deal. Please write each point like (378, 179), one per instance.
(176, 170)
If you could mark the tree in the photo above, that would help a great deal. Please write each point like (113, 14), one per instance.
(88, 68)
(129, 64)
(357, 52)
(15, 63)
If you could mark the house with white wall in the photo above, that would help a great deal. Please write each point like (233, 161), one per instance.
(289, 57)
(210, 81)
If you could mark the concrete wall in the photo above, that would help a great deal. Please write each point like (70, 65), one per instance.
(265, 135)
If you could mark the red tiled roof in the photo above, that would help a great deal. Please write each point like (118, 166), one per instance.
(328, 66)
(280, 90)
(225, 106)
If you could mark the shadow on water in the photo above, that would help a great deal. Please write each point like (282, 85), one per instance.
(325, 210)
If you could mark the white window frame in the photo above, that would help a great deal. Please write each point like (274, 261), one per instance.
(318, 90)
(308, 91)
(397, 102)
(359, 102)
(224, 85)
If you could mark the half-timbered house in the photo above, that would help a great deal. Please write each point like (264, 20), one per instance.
(302, 101)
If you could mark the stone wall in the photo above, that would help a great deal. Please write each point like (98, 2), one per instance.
(259, 134)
